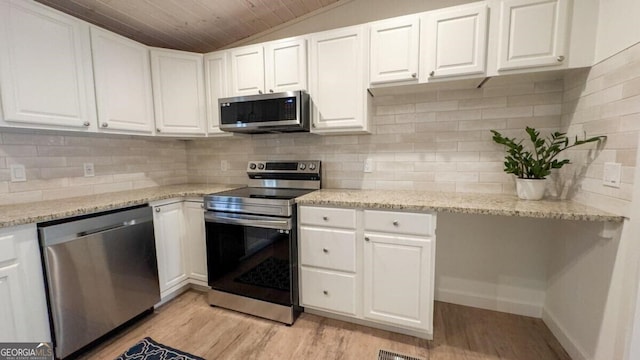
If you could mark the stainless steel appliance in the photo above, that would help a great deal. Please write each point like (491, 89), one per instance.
(252, 242)
(101, 271)
(277, 112)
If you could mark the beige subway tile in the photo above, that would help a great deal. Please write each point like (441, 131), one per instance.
(425, 116)
(406, 118)
(444, 95)
(36, 184)
(456, 177)
(459, 135)
(477, 146)
(17, 151)
(631, 88)
(418, 176)
(346, 139)
(495, 167)
(549, 86)
(546, 110)
(459, 115)
(433, 167)
(466, 156)
(377, 120)
(79, 181)
(483, 103)
(356, 184)
(63, 172)
(515, 89)
(482, 125)
(436, 106)
(113, 187)
(630, 122)
(147, 183)
(394, 185)
(535, 99)
(21, 197)
(446, 146)
(395, 129)
(492, 155)
(538, 122)
(627, 140)
(395, 166)
(434, 186)
(38, 162)
(509, 112)
(483, 188)
(4, 187)
(604, 126)
(31, 139)
(68, 192)
(415, 156)
(628, 174)
(495, 177)
(437, 126)
(621, 74)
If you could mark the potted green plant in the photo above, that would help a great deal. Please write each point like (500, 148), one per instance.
(531, 165)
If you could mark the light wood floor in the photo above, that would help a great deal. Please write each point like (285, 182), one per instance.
(188, 323)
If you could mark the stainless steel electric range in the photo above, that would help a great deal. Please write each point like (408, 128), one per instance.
(252, 246)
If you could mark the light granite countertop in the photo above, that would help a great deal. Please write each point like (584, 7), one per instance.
(485, 204)
(18, 214)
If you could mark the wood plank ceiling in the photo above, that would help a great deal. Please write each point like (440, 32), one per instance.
(190, 25)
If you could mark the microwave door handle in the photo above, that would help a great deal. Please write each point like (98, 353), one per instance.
(249, 221)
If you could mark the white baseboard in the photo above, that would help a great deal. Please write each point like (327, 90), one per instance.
(489, 303)
(567, 342)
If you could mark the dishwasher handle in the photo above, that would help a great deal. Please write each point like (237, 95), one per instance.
(111, 227)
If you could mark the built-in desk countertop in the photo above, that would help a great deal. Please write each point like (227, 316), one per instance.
(465, 203)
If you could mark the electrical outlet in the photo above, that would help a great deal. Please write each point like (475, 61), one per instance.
(89, 170)
(18, 173)
(611, 174)
(224, 165)
(368, 165)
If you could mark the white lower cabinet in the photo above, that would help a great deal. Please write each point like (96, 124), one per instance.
(195, 245)
(23, 310)
(375, 267)
(180, 245)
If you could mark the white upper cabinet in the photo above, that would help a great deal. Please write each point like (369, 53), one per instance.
(271, 67)
(286, 65)
(46, 78)
(394, 50)
(247, 70)
(453, 42)
(338, 80)
(532, 33)
(216, 82)
(123, 83)
(178, 92)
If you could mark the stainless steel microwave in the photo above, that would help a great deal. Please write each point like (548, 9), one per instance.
(278, 112)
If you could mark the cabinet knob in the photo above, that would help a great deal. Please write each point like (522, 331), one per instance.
(395, 223)
(560, 58)
(325, 218)
(86, 123)
(270, 90)
(157, 209)
(325, 250)
(432, 73)
(313, 125)
(366, 238)
(414, 75)
(158, 130)
(104, 125)
(259, 91)
(325, 292)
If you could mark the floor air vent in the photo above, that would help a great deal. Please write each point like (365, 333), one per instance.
(389, 355)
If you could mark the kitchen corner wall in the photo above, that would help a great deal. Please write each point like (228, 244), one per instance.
(424, 138)
(54, 164)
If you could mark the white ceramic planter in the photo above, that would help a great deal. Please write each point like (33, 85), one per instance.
(530, 189)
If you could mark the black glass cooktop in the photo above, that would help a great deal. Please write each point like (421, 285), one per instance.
(264, 193)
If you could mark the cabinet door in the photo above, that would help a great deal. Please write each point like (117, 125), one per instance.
(398, 280)
(286, 65)
(394, 50)
(247, 71)
(337, 80)
(168, 226)
(123, 82)
(215, 72)
(195, 244)
(178, 92)
(454, 42)
(46, 79)
(23, 313)
(532, 33)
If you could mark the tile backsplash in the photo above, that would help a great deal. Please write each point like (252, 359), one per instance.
(430, 138)
(54, 164)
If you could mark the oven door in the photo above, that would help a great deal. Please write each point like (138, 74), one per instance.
(252, 256)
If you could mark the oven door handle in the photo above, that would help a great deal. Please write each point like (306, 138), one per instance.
(248, 220)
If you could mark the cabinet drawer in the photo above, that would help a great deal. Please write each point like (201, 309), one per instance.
(342, 218)
(331, 249)
(329, 291)
(399, 222)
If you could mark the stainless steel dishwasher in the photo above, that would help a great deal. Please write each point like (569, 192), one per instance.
(101, 272)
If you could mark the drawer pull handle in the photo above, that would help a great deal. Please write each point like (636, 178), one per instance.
(395, 223)
(325, 250)
(325, 292)
(366, 239)
(325, 218)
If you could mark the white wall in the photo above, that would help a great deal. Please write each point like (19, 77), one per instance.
(634, 232)
(617, 27)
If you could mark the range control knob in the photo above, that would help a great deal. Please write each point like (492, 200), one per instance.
(261, 166)
(302, 166)
(252, 166)
(312, 166)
